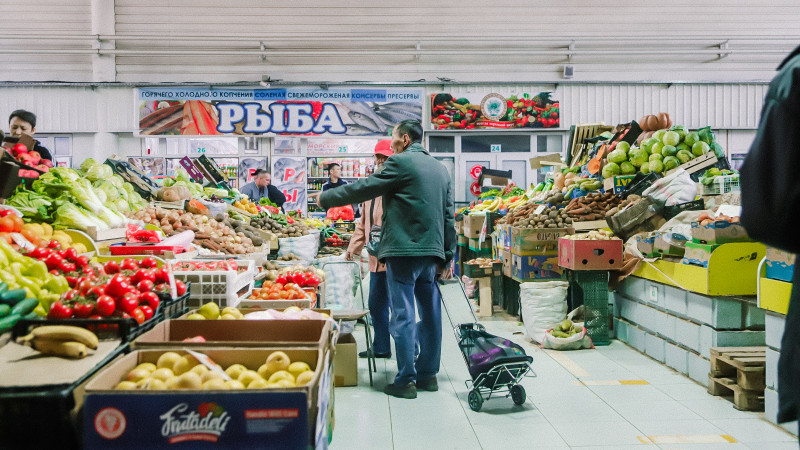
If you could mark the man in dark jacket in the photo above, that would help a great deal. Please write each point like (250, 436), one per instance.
(770, 193)
(417, 238)
(261, 186)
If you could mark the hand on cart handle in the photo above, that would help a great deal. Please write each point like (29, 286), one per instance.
(447, 272)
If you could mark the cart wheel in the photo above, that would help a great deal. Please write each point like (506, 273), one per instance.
(475, 400)
(518, 394)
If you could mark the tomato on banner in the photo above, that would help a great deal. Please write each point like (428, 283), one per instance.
(475, 188)
(475, 172)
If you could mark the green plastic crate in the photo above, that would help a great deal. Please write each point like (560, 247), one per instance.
(590, 289)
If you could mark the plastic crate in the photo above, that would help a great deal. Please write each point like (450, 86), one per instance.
(590, 289)
(23, 411)
(174, 308)
(722, 185)
(223, 287)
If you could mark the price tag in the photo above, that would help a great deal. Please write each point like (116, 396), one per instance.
(208, 362)
(729, 210)
(539, 210)
(22, 242)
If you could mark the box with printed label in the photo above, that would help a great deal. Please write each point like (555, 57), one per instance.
(504, 236)
(589, 254)
(463, 241)
(718, 232)
(285, 417)
(535, 267)
(645, 242)
(507, 263)
(698, 254)
(617, 183)
(780, 264)
(476, 245)
(536, 241)
(473, 226)
(669, 244)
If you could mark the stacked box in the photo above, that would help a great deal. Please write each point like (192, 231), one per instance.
(780, 265)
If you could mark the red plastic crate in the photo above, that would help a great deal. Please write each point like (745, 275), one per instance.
(590, 254)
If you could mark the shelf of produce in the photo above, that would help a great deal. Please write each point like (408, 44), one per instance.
(731, 270)
(774, 295)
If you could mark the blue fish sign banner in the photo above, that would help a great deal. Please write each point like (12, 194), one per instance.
(191, 111)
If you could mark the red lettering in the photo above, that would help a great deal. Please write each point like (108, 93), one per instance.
(288, 174)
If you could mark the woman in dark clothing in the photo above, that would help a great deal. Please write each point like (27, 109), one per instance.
(24, 122)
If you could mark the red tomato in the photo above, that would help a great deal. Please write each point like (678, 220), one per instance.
(162, 275)
(71, 254)
(150, 299)
(6, 225)
(281, 279)
(127, 304)
(162, 288)
(105, 305)
(82, 261)
(54, 245)
(143, 274)
(129, 264)
(71, 281)
(95, 292)
(144, 286)
(148, 312)
(149, 263)
(83, 310)
(137, 315)
(111, 267)
(53, 261)
(117, 285)
(180, 287)
(39, 253)
(66, 267)
(59, 310)
(70, 295)
(312, 281)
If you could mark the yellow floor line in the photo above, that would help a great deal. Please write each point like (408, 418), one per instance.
(610, 382)
(691, 439)
(567, 363)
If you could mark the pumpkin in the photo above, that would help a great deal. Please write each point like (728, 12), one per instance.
(663, 120)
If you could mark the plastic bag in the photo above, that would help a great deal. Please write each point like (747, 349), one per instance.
(469, 286)
(544, 306)
(673, 189)
(340, 212)
(340, 283)
(304, 247)
(575, 342)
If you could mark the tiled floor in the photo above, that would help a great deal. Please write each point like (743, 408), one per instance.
(576, 401)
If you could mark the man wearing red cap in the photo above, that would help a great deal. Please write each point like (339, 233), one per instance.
(378, 294)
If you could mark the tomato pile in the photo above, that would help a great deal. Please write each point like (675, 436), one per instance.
(301, 278)
(112, 290)
(272, 290)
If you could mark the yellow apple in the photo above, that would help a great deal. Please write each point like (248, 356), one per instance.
(184, 364)
(235, 370)
(162, 374)
(227, 316)
(278, 361)
(210, 375)
(248, 376)
(284, 383)
(298, 367)
(281, 375)
(304, 378)
(234, 384)
(136, 375)
(214, 384)
(125, 386)
(259, 383)
(147, 366)
(195, 316)
(199, 369)
(189, 380)
(167, 360)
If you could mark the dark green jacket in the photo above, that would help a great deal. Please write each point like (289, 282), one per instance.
(770, 195)
(417, 205)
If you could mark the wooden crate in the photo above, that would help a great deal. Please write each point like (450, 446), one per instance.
(577, 147)
(741, 371)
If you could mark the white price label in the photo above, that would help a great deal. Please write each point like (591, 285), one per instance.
(208, 362)
(22, 242)
(539, 210)
(729, 210)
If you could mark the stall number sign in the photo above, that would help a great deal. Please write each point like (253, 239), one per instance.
(495, 148)
(191, 169)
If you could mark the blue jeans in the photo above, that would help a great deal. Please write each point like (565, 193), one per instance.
(406, 278)
(379, 310)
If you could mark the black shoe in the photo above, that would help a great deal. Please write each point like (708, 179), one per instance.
(368, 354)
(430, 385)
(408, 391)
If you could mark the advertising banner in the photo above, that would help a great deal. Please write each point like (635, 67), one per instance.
(494, 110)
(289, 176)
(302, 111)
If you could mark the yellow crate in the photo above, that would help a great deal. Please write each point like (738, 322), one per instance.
(774, 295)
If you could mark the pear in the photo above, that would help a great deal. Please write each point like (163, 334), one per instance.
(304, 378)
(281, 375)
(278, 361)
(248, 376)
(189, 380)
(184, 364)
(298, 367)
(258, 383)
(235, 370)
(232, 311)
(200, 369)
(137, 375)
(167, 360)
(210, 311)
(214, 384)
(210, 375)
(228, 316)
(162, 374)
(125, 386)
(150, 367)
(195, 316)
(234, 384)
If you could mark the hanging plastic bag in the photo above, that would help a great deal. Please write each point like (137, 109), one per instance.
(469, 286)
(544, 306)
(340, 212)
(673, 189)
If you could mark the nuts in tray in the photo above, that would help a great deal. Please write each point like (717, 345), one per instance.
(594, 235)
(483, 262)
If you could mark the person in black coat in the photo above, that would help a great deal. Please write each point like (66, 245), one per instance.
(24, 122)
(770, 197)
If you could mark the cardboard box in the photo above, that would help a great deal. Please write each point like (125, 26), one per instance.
(698, 254)
(536, 241)
(528, 268)
(242, 333)
(780, 264)
(718, 232)
(491, 179)
(460, 226)
(633, 215)
(463, 241)
(507, 263)
(665, 247)
(503, 236)
(477, 246)
(473, 226)
(645, 243)
(246, 302)
(345, 361)
(476, 271)
(617, 183)
(699, 163)
(590, 254)
(286, 418)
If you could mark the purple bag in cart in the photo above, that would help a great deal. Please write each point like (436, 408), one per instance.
(483, 351)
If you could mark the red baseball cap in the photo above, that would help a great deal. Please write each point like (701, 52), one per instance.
(384, 147)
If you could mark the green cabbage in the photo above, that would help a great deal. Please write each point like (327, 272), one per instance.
(121, 204)
(101, 194)
(128, 187)
(117, 181)
(87, 164)
(111, 191)
(182, 175)
(99, 172)
(168, 182)
(32, 205)
(69, 215)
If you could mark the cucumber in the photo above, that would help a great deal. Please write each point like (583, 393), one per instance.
(25, 306)
(4, 310)
(3, 287)
(7, 323)
(13, 297)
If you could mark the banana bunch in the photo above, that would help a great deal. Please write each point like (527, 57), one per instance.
(492, 205)
(313, 222)
(60, 340)
(523, 200)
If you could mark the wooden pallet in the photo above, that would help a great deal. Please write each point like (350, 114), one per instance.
(741, 371)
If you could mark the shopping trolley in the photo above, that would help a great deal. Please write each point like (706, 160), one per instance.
(495, 364)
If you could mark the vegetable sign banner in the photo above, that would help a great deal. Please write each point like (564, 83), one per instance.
(494, 111)
(289, 176)
(303, 111)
